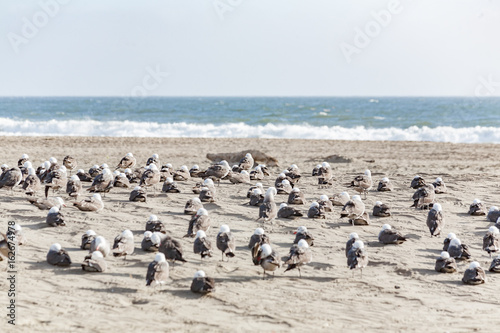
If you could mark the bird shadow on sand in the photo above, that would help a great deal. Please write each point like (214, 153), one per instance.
(183, 293)
(113, 290)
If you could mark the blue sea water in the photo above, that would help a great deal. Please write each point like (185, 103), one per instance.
(448, 119)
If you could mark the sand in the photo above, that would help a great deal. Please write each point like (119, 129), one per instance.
(399, 290)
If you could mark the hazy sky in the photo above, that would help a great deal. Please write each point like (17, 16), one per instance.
(249, 47)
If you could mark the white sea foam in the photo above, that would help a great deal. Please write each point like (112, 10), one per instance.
(478, 134)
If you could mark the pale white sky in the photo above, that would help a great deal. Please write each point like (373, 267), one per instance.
(249, 47)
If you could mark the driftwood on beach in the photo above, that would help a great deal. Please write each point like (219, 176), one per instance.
(257, 155)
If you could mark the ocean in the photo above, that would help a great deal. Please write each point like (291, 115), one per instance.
(440, 119)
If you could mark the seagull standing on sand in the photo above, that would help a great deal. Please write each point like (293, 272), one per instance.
(357, 257)
(74, 187)
(435, 220)
(340, 199)
(353, 237)
(225, 242)
(491, 240)
(202, 245)
(302, 233)
(299, 255)
(364, 183)
(458, 250)
(70, 163)
(258, 238)
(138, 194)
(267, 258)
(200, 221)
(316, 211)
(11, 178)
(157, 270)
(32, 184)
(417, 182)
(268, 210)
(247, 162)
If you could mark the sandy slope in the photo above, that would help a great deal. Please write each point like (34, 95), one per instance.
(399, 290)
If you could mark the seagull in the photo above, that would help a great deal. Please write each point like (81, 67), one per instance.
(435, 220)
(385, 185)
(218, 171)
(495, 265)
(32, 184)
(316, 211)
(389, 236)
(94, 263)
(182, 174)
(150, 177)
(417, 182)
(70, 163)
(138, 194)
(11, 178)
(195, 172)
(256, 197)
(24, 158)
(439, 186)
(458, 250)
(477, 208)
(84, 176)
(157, 270)
(325, 203)
(202, 245)
(302, 233)
(225, 242)
(192, 206)
(247, 162)
(299, 255)
(357, 257)
(87, 239)
(74, 187)
(57, 256)
(340, 199)
(491, 240)
(253, 187)
(325, 174)
(199, 221)
(172, 249)
(124, 244)
(56, 180)
(170, 186)
(154, 159)
(424, 197)
(127, 162)
(493, 214)
(257, 174)
(364, 183)
(258, 238)
(381, 210)
(268, 210)
(120, 179)
(93, 204)
(103, 182)
(288, 212)
(151, 241)
(153, 224)
(284, 187)
(296, 197)
(353, 237)
(100, 244)
(55, 218)
(202, 284)
(243, 177)
(474, 274)
(267, 258)
(445, 264)
(353, 209)
(95, 170)
(46, 204)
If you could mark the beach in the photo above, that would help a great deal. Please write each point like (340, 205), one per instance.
(398, 291)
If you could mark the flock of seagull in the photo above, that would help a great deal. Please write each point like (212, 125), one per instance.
(51, 175)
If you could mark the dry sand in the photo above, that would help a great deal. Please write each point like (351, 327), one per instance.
(399, 290)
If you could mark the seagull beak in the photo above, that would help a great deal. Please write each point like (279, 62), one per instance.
(295, 232)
